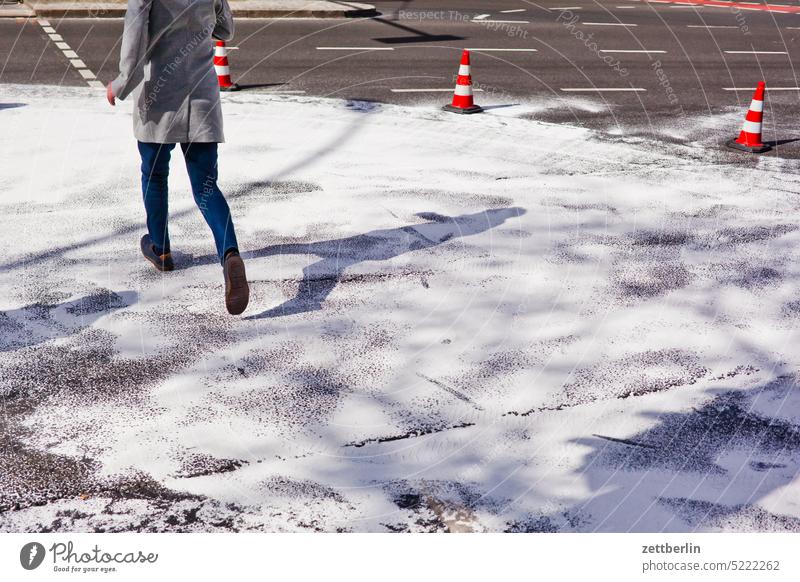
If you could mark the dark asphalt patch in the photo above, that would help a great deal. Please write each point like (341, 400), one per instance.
(758, 277)
(301, 489)
(100, 301)
(302, 397)
(31, 477)
(414, 433)
(201, 464)
(729, 517)
(649, 280)
(545, 523)
(465, 200)
(748, 234)
(82, 370)
(651, 238)
(634, 375)
(269, 190)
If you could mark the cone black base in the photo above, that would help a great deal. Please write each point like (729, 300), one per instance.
(473, 109)
(233, 87)
(746, 148)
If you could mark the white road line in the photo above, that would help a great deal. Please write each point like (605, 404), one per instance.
(504, 21)
(631, 51)
(608, 24)
(600, 89)
(710, 26)
(71, 55)
(481, 16)
(567, 8)
(448, 89)
(756, 52)
(354, 48)
(765, 88)
(510, 11)
(625, 7)
(504, 50)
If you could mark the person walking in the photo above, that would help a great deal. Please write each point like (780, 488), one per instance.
(166, 61)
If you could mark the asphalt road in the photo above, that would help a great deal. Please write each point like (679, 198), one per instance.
(684, 59)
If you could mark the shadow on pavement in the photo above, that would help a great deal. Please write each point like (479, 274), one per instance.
(337, 255)
(41, 322)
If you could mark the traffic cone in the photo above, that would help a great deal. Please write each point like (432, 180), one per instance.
(222, 68)
(749, 139)
(462, 98)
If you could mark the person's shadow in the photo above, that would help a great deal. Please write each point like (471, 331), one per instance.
(337, 255)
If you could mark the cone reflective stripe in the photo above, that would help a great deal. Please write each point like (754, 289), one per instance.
(749, 138)
(462, 96)
(222, 68)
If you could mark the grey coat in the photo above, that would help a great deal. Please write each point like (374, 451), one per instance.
(167, 63)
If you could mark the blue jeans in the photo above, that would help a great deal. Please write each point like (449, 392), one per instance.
(201, 163)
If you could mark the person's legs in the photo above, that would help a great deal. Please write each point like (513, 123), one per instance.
(201, 163)
(155, 174)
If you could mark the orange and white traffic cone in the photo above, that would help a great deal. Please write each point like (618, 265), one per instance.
(222, 68)
(749, 139)
(462, 98)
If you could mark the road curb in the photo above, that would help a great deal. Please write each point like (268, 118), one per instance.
(15, 11)
(240, 9)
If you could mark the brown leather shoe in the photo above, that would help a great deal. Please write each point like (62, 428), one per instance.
(160, 262)
(237, 291)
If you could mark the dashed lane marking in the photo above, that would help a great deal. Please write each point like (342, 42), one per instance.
(765, 88)
(504, 50)
(756, 52)
(785, 8)
(446, 89)
(601, 89)
(70, 55)
(354, 48)
(608, 24)
(631, 51)
(510, 11)
(503, 21)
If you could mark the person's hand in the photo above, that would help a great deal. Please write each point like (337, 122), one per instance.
(110, 95)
